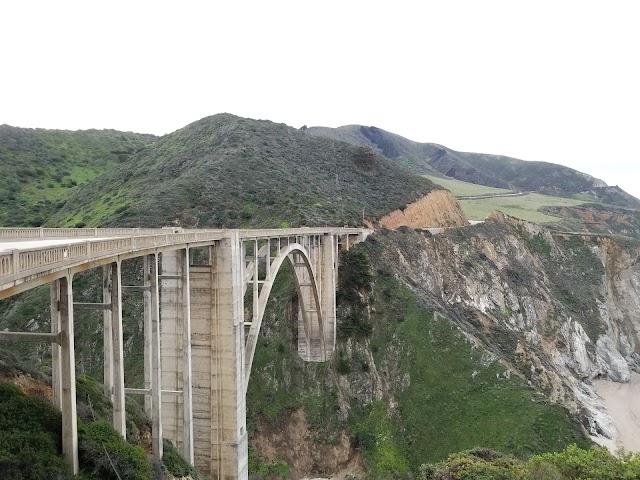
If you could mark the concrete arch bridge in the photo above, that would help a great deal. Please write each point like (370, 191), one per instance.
(199, 332)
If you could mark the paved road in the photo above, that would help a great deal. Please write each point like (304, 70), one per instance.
(7, 245)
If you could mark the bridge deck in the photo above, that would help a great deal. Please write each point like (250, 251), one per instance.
(34, 256)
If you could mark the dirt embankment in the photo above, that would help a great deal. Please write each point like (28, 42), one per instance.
(439, 208)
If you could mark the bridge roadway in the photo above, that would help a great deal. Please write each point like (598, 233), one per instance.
(204, 294)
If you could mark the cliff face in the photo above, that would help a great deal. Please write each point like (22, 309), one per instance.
(559, 310)
(439, 208)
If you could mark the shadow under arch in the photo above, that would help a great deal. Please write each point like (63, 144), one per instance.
(315, 337)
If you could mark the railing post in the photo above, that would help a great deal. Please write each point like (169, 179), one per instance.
(15, 254)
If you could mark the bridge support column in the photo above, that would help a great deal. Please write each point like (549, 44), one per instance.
(328, 268)
(177, 417)
(56, 354)
(117, 346)
(219, 409)
(156, 370)
(148, 332)
(68, 375)
(107, 334)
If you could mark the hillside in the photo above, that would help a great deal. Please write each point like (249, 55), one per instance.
(485, 169)
(39, 168)
(227, 171)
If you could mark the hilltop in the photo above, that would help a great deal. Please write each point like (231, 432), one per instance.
(485, 169)
(227, 171)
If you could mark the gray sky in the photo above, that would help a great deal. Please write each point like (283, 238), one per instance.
(557, 81)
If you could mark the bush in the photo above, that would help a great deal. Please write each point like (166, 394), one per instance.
(30, 437)
(174, 463)
(573, 463)
(103, 452)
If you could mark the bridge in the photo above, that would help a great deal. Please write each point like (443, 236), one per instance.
(200, 333)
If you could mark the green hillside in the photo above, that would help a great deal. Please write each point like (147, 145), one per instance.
(227, 171)
(479, 168)
(39, 168)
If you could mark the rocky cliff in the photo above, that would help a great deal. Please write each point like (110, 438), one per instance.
(559, 310)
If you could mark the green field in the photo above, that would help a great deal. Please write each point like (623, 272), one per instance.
(525, 207)
(464, 189)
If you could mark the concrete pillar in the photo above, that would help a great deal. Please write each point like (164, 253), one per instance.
(117, 371)
(156, 370)
(219, 411)
(68, 376)
(187, 387)
(107, 334)
(177, 417)
(148, 332)
(56, 372)
(328, 273)
(171, 340)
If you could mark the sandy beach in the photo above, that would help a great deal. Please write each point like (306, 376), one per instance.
(623, 404)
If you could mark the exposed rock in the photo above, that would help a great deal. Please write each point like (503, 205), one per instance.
(573, 303)
(439, 208)
(611, 361)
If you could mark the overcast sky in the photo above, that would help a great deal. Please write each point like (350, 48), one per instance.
(557, 81)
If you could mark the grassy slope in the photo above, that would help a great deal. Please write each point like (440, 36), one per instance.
(526, 207)
(462, 189)
(39, 168)
(531, 207)
(229, 171)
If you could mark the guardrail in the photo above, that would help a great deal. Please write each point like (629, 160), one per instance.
(9, 233)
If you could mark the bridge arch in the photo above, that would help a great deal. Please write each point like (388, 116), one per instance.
(313, 317)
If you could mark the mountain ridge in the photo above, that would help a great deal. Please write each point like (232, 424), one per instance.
(486, 169)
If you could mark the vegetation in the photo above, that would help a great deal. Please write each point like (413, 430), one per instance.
(226, 171)
(463, 189)
(40, 168)
(105, 454)
(526, 207)
(480, 168)
(30, 437)
(572, 463)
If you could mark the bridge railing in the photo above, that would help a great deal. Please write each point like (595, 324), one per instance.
(32, 261)
(34, 233)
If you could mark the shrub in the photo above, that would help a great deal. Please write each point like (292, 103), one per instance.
(174, 463)
(103, 452)
(30, 434)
